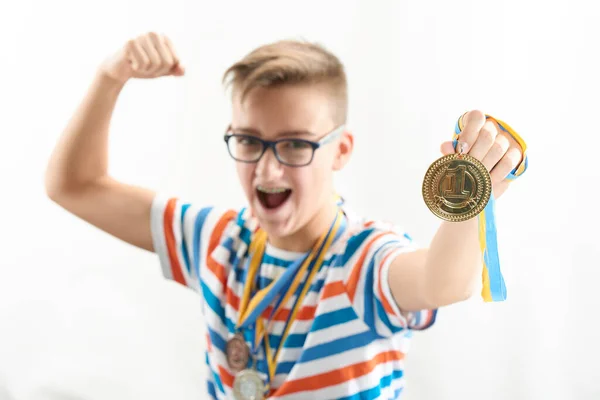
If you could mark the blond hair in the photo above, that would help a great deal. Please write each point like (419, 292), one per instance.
(290, 62)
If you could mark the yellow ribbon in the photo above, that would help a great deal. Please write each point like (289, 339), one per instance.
(248, 307)
(494, 288)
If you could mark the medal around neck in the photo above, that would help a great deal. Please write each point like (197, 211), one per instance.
(457, 187)
(237, 352)
(248, 385)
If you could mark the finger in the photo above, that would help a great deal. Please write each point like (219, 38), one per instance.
(177, 69)
(496, 152)
(447, 148)
(473, 122)
(139, 59)
(511, 159)
(163, 52)
(148, 47)
(484, 141)
(500, 188)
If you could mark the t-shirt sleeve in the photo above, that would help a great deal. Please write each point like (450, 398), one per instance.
(369, 256)
(183, 235)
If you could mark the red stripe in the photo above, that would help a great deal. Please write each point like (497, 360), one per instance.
(338, 376)
(171, 243)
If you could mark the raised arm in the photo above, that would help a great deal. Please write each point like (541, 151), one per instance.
(77, 174)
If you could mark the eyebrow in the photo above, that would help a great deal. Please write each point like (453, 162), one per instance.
(255, 132)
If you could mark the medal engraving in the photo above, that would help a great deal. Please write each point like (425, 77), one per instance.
(248, 385)
(457, 187)
(237, 353)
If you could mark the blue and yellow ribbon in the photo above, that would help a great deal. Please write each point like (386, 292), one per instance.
(494, 288)
(253, 306)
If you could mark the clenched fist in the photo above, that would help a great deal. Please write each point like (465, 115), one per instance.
(148, 56)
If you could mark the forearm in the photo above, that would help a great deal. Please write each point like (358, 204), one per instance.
(453, 263)
(81, 154)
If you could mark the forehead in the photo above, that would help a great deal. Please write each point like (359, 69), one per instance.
(269, 111)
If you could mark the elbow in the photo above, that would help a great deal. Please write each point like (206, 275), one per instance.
(447, 293)
(53, 185)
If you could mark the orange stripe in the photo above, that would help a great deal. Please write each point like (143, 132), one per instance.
(171, 243)
(333, 289)
(355, 275)
(226, 377)
(215, 238)
(338, 376)
(386, 305)
(208, 344)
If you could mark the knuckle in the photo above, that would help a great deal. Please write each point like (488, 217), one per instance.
(487, 134)
(475, 116)
(498, 148)
(514, 155)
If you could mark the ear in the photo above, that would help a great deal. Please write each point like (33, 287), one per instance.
(344, 150)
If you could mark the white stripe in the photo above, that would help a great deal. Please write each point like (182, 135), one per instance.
(158, 234)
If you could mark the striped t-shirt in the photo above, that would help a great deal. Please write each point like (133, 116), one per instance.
(349, 338)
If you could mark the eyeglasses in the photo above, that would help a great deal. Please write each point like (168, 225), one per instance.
(290, 152)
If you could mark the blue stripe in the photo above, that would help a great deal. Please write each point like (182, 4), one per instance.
(337, 317)
(284, 367)
(215, 305)
(216, 340)
(337, 346)
(295, 340)
(354, 244)
(211, 389)
(245, 235)
(184, 251)
(383, 316)
(369, 296)
(198, 224)
(375, 391)
(492, 261)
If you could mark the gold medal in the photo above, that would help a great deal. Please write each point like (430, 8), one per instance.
(248, 385)
(238, 353)
(457, 187)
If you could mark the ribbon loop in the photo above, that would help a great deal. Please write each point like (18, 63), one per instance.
(494, 288)
(254, 301)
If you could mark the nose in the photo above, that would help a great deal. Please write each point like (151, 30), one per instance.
(268, 167)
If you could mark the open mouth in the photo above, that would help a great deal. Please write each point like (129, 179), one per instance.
(272, 198)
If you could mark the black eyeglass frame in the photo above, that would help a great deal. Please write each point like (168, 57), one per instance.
(270, 144)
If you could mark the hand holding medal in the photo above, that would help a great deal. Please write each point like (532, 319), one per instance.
(477, 167)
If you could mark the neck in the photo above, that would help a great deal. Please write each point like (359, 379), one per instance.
(304, 239)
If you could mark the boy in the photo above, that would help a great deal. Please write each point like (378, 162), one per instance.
(301, 299)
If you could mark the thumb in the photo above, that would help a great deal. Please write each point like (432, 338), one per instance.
(447, 148)
(178, 70)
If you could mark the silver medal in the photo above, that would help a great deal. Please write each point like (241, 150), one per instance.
(248, 385)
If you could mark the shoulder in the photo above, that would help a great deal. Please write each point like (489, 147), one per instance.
(365, 235)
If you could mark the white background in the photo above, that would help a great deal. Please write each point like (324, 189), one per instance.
(84, 316)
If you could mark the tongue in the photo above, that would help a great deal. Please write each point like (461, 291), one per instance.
(273, 200)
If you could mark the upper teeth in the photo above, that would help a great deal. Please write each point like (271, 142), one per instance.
(271, 190)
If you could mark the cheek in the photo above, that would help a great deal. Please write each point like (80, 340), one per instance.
(245, 173)
(309, 182)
